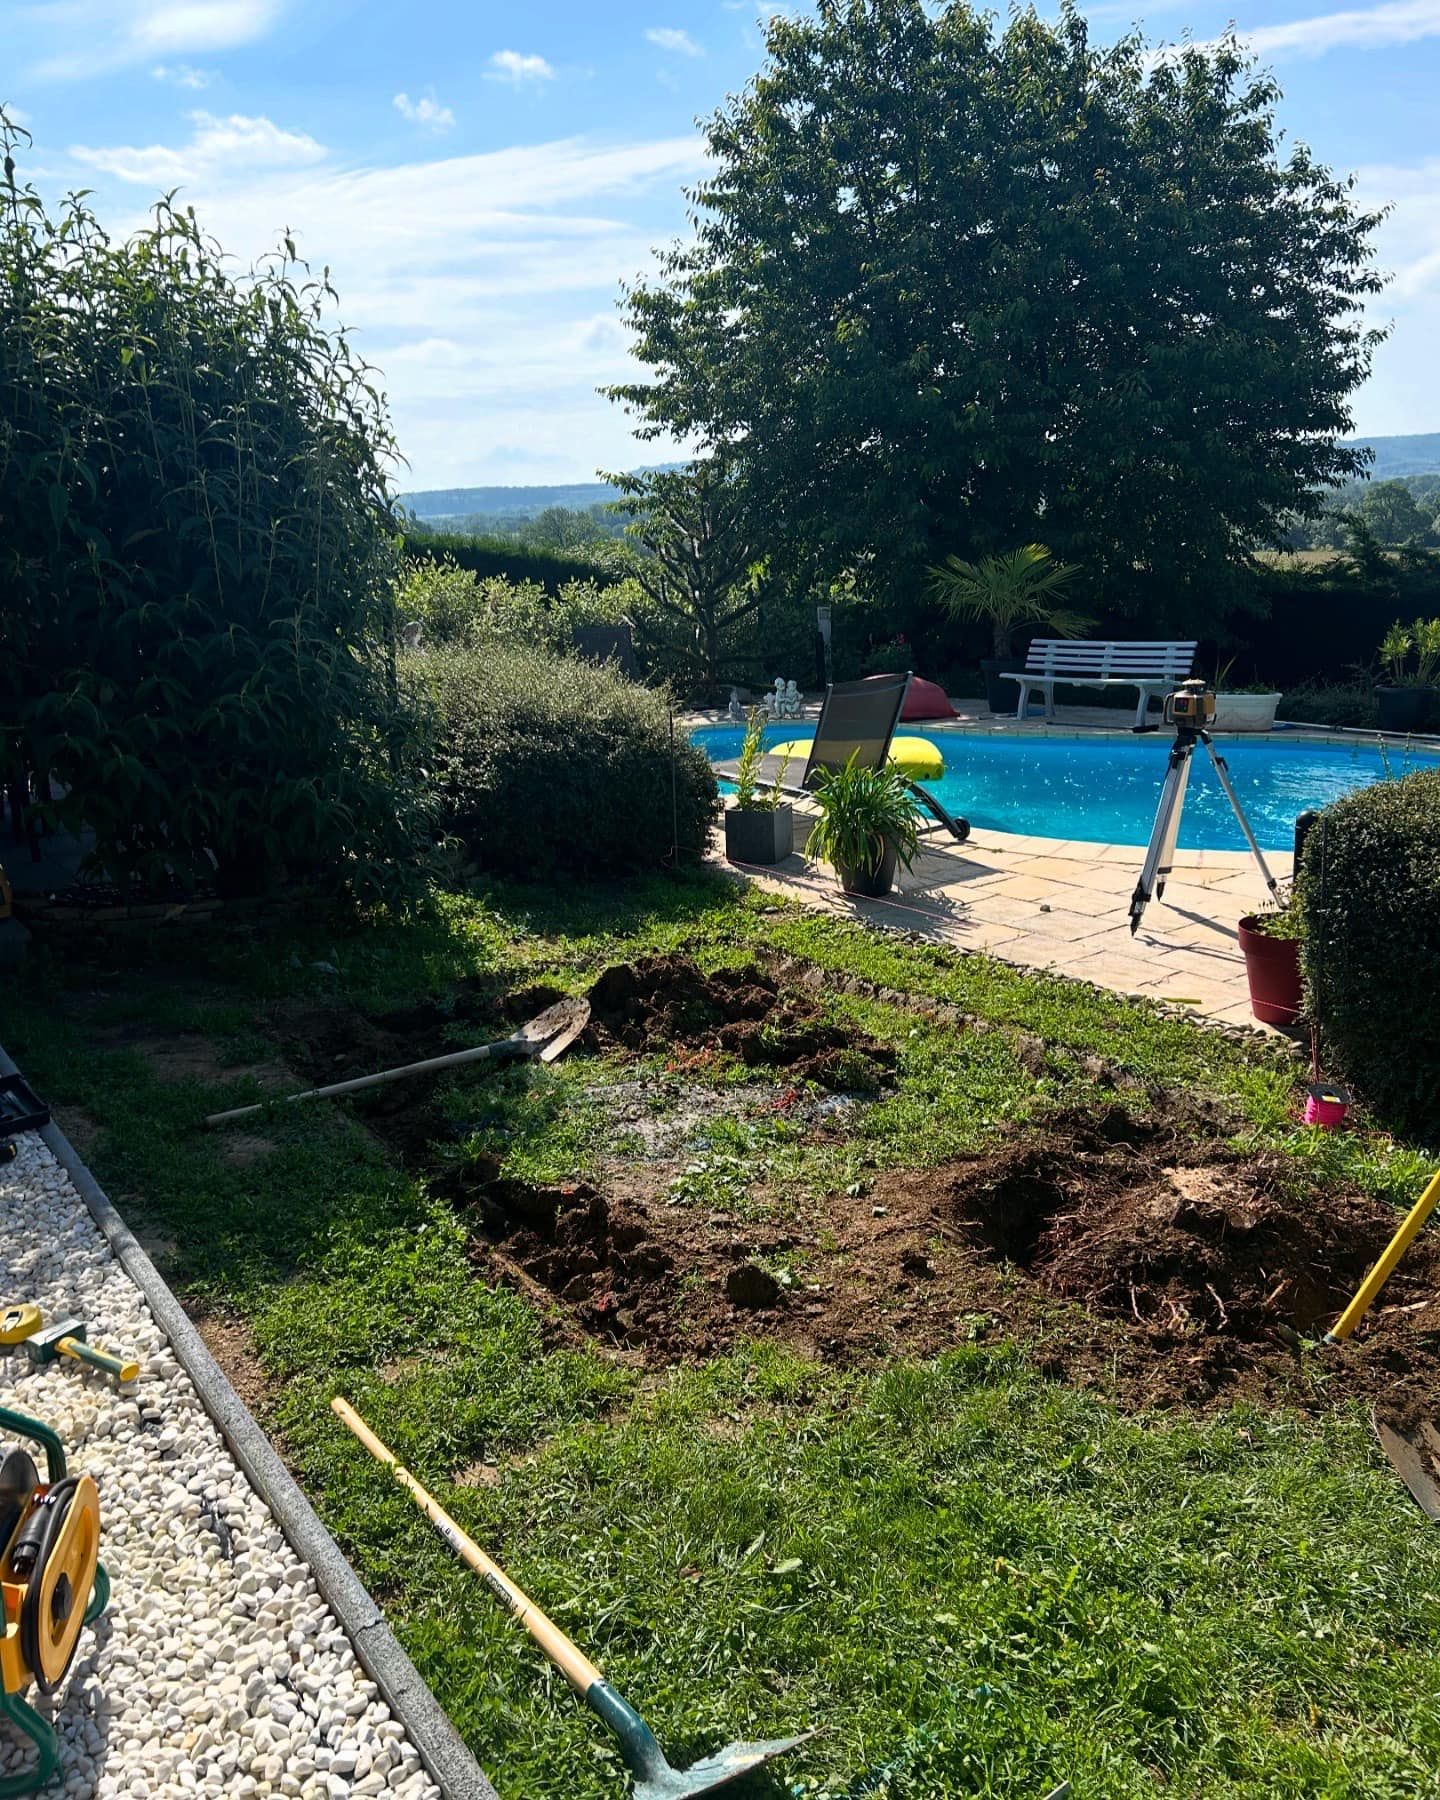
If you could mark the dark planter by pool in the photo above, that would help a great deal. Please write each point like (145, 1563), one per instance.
(872, 883)
(1272, 967)
(759, 834)
(1406, 708)
(1000, 696)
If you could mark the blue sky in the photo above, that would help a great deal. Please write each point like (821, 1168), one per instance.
(481, 179)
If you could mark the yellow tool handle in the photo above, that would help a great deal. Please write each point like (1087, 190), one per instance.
(1383, 1269)
(573, 1664)
(118, 1366)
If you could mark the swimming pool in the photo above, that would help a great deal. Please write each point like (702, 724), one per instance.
(1104, 789)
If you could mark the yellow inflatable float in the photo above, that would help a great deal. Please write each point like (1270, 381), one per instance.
(916, 757)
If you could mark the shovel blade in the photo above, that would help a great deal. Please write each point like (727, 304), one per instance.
(716, 1771)
(570, 1015)
(1416, 1460)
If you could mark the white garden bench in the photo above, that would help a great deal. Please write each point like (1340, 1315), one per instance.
(1152, 666)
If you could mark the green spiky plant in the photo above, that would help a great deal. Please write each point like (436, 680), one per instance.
(1020, 587)
(862, 811)
(749, 795)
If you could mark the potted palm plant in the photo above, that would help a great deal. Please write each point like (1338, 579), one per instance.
(1410, 664)
(1019, 588)
(866, 827)
(759, 824)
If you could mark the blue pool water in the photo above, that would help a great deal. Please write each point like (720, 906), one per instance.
(1104, 790)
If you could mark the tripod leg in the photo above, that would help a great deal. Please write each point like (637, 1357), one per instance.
(1222, 770)
(1160, 852)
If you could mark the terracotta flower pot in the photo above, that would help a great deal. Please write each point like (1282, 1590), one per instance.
(1272, 967)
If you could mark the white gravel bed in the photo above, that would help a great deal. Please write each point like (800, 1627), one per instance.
(218, 1669)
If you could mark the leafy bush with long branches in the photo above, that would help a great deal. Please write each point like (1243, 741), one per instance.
(197, 644)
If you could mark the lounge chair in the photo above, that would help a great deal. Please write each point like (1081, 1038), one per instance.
(858, 719)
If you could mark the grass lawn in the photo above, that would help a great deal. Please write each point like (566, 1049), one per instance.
(931, 1511)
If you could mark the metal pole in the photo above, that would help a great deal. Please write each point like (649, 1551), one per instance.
(1164, 833)
(1222, 769)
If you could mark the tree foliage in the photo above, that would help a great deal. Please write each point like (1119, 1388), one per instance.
(955, 289)
(197, 639)
(695, 526)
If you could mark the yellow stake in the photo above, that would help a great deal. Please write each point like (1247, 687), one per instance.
(1383, 1269)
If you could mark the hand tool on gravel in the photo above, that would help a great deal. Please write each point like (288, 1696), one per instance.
(654, 1777)
(1416, 1460)
(546, 1035)
(66, 1337)
(1385, 1267)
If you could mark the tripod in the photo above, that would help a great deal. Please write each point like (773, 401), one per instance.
(1160, 854)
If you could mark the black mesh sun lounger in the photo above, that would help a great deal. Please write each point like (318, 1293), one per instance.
(858, 719)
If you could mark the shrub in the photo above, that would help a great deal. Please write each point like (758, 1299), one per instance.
(502, 557)
(457, 606)
(1370, 895)
(1332, 704)
(197, 636)
(549, 766)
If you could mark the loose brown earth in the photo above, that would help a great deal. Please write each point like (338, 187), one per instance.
(1133, 1251)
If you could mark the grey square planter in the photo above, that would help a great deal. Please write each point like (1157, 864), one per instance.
(759, 834)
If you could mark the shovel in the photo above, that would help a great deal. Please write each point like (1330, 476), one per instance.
(655, 1779)
(1416, 1460)
(546, 1036)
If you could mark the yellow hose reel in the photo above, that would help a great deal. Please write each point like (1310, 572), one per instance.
(52, 1584)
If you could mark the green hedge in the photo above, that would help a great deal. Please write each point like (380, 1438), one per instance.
(485, 556)
(548, 766)
(1370, 898)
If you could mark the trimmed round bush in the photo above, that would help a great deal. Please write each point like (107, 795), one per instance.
(551, 766)
(1369, 895)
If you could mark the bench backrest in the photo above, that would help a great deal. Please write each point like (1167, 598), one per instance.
(1111, 659)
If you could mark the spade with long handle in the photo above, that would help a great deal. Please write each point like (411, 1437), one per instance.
(545, 1036)
(655, 1779)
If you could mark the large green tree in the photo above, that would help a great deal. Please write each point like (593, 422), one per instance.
(953, 290)
(1391, 512)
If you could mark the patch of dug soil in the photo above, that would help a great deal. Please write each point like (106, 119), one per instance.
(1160, 1268)
(662, 1001)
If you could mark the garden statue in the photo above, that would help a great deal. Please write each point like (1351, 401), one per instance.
(411, 634)
(735, 711)
(785, 702)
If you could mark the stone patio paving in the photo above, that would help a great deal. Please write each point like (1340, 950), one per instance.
(1053, 903)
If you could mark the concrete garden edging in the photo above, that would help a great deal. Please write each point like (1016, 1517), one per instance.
(443, 1752)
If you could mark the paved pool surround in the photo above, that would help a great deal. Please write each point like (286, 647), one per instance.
(1052, 903)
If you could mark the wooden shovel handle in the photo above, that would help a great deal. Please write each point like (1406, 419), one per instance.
(576, 1667)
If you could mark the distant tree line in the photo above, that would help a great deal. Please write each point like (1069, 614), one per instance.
(1402, 511)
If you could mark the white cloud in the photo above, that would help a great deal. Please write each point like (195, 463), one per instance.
(218, 147)
(182, 75)
(1358, 28)
(426, 111)
(512, 66)
(1403, 393)
(670, 37)
(483, 287)
(108, 34)
(1380, 27)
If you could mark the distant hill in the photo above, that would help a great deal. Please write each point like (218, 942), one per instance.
(1396, 456)
(510, 502)
(437, 504)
